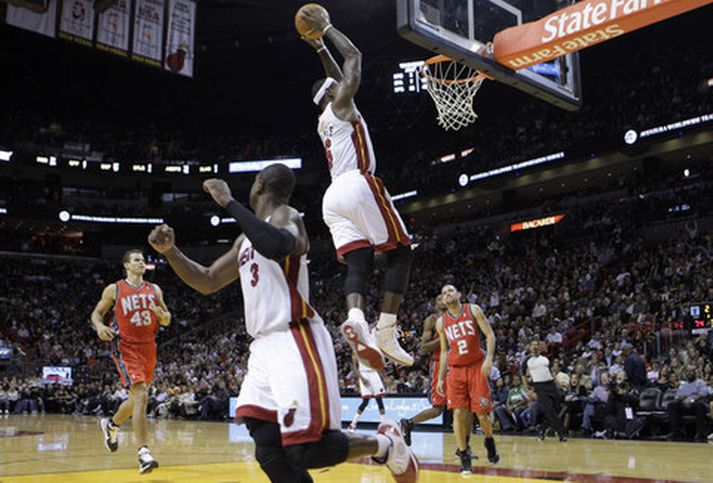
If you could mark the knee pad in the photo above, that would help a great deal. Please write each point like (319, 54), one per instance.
(359, 266)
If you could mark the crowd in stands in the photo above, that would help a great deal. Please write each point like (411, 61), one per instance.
(599, 291)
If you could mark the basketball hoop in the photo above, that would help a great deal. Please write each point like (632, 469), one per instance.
(452, 86)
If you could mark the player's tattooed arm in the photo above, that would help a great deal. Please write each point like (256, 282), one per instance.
(428, 341)
(105, 304)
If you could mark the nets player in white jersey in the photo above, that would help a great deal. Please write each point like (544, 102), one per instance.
(289, 398)
(370, 387)
(357, 208)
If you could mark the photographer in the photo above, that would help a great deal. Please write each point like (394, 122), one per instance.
(620, 421)
(690, 399)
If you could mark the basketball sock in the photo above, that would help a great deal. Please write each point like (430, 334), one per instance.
(384, 444)
(356, 314)
(356, 418)
(386, 320)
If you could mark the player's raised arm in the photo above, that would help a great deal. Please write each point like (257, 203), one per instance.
(284, 235)
(489, 336)
(205, 280)
(105, 304)
(331, 68)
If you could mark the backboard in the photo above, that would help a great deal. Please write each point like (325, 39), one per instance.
(462, 29)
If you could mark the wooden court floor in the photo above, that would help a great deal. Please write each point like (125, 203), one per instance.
(54, 448)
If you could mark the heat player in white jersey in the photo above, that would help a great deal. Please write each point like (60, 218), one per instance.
(289, 398)
(370, 387)
(357, 207)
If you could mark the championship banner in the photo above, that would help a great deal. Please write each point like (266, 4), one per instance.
(181, 30)
(148, 32)
(579, 26)
(77, 21)
(42, 23)
(113, 29)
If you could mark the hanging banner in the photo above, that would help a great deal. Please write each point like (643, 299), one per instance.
(42, 23)
(148, 32)
(536, 223)
(113, 29)
(181, 28)
(77, 21)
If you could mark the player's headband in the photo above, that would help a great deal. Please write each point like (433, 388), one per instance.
(328, 82)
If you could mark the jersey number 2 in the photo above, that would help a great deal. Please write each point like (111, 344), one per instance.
(255, 270)
(462, 347)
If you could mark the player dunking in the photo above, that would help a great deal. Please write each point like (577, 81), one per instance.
(289, 398)
(459, 329)
(370, 387)
(430, 342)
(138, 311)
(357, 208)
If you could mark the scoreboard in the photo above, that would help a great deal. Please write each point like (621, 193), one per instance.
(700, 317)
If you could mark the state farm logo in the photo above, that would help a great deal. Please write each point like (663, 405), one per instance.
(593, 14)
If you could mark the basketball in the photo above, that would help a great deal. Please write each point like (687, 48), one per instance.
(307, 28)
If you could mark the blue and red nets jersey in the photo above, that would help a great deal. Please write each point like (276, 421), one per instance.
(133, 317)
(463, 336)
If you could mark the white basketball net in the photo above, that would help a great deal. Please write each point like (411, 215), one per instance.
(452, 86)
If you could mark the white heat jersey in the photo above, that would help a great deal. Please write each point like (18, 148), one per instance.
(274, 294)
(347, 145)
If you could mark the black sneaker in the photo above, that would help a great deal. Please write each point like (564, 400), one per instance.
(493, 455)
(466, 463)
(110, 431)
(563, 438)
(146, 461)
(406, 428)
(540, 432)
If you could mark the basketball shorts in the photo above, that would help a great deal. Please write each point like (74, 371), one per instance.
(359, 213)
(374, 386)
(292, 380)
(437, 399)
(135, 362)
(468, 388)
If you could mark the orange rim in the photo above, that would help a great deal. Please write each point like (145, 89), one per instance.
(437, 59)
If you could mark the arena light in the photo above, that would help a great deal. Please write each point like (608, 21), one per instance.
(254, 166)
(5, 155)
(42, 160)
(64, 216)
(3, 211)
(116, 219)
(215, 220)
(514, 167)
(463, 180)
(447, 158)
(403, 196)
(74, 163)
(466, 152)
(105, 166)
(686, 123)
(537, 223)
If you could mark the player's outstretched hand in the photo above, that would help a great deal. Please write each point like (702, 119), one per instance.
(439, 388)
(162, 238)
(219, 190)
(105, 333)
